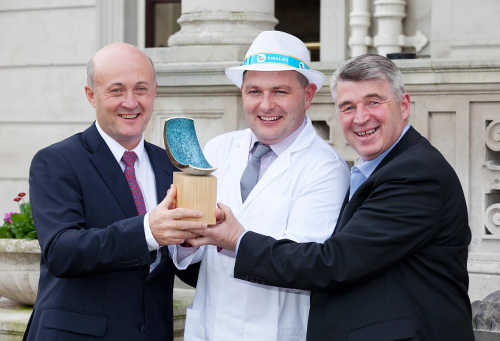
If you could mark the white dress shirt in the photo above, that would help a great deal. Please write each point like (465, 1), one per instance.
(145, 178)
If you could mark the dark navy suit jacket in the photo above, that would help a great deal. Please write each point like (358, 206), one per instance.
(396, 266)
(94, 272)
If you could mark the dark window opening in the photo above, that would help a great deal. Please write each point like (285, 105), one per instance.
(300, 18)
(161, 21)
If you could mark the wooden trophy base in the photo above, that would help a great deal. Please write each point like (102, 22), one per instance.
(197, 192)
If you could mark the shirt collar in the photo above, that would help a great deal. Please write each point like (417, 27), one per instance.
(117, 149)
(367, 167)
(281, 146)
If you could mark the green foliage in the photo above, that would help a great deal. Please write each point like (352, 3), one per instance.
(21, 225)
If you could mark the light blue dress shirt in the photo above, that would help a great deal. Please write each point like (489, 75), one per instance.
(364, 168)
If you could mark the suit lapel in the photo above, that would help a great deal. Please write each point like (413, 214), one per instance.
(109, 170)
(410, 138)
(342, 216)
(350, 206)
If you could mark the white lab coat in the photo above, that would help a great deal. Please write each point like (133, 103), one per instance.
(299, 198)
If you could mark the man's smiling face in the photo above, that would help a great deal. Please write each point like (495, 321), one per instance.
(124, 92)
(372, 118)
(275, 103)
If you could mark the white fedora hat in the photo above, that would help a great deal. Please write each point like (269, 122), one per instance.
(276, 51)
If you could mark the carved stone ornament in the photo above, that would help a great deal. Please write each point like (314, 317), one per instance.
(493, 136)
(486, 314)
(493, 219)
(492, 176)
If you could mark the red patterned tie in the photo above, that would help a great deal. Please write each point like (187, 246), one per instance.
(129, 159)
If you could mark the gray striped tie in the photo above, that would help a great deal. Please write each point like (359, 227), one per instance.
(251, 174)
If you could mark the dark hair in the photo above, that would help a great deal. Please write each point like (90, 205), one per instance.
(303, 81)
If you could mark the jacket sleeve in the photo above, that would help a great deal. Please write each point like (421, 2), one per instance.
(70, 246)
(398, 218)
(189, 275)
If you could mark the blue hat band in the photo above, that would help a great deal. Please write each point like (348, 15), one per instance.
(262, 58)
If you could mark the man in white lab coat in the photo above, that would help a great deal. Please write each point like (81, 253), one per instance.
(301, 183)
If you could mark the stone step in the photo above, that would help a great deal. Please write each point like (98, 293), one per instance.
(14, 317)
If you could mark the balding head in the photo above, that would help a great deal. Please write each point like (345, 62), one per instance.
(122, 87)
(111, 53)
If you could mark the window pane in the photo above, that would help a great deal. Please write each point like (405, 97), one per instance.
(166, 16)
(300, 18)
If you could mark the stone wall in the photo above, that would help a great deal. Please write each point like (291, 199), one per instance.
(45, 47)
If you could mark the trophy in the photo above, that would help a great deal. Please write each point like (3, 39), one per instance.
(196, 188)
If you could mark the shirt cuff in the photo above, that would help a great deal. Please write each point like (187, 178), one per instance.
(150, 240)
(182, 257)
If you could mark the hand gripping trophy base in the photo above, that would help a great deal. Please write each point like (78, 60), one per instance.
(196, 189)
(198, 192)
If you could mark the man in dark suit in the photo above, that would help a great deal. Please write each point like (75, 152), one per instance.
(396, 266)
(94, 200)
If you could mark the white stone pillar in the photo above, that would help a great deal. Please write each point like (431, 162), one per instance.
(359, 22)
(389, 15)
(333, 30)
(217, 30)
(111, 21)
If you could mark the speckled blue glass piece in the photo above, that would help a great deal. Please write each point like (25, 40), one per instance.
(183, 143)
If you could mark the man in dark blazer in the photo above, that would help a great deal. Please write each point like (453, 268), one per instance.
(102, 273)
(395, 267)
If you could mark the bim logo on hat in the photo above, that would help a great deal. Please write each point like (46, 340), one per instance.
(276, 51)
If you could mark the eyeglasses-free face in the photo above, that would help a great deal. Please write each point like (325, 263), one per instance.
(372, 118)
(275, 103)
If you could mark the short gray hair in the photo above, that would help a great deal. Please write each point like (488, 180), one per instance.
(91, 72)
(369, 67)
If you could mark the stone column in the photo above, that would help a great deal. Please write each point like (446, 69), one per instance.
(360, 23)
(218, 30)
(389, 15)
(333, 30)
(119, 20)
